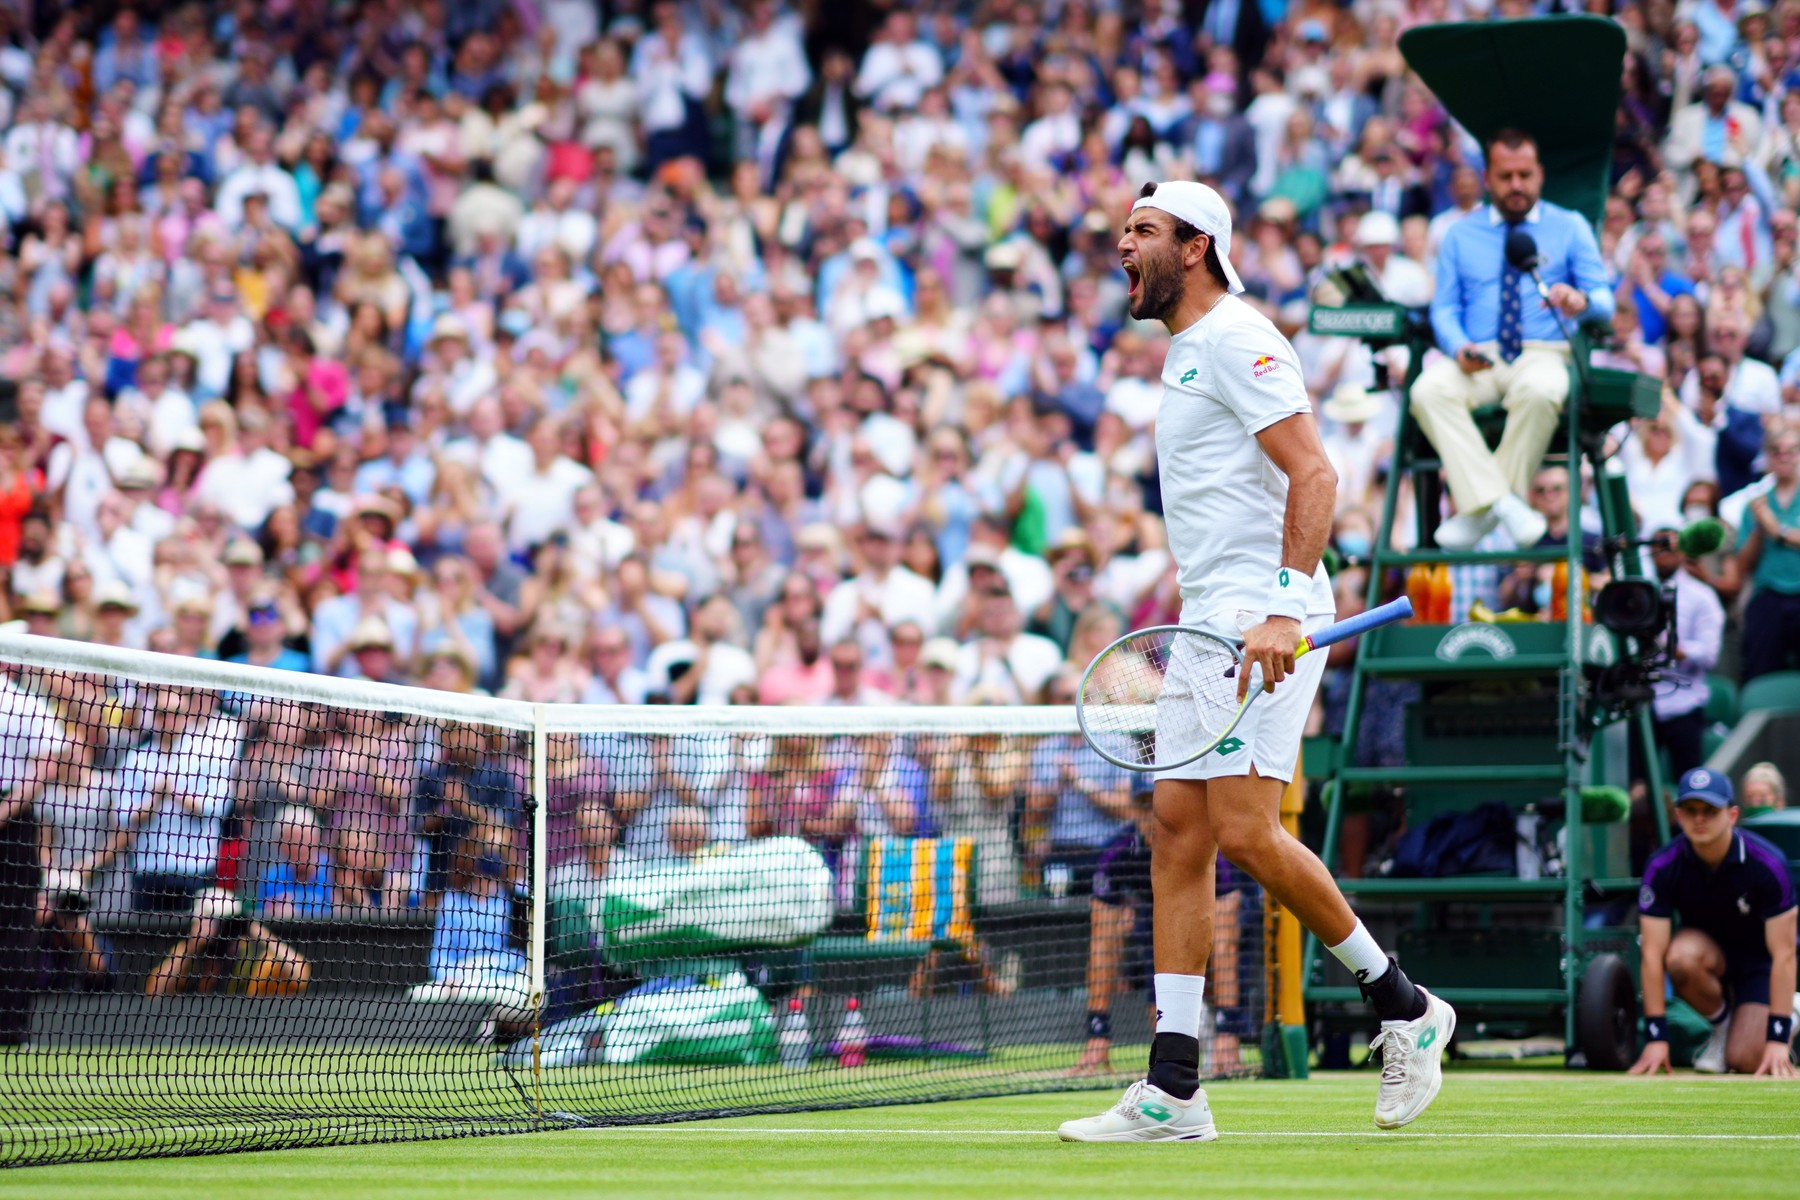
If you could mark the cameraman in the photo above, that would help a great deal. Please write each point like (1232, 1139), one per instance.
(1679, 708)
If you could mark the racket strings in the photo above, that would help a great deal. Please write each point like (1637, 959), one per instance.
(1160, 695)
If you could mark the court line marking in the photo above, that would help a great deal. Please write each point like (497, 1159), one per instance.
(1248, 1133)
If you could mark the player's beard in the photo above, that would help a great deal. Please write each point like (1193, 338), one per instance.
(1162, 286)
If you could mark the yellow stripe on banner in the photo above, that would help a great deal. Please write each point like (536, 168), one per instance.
(924, 888)
(872, 884)
(962, 924)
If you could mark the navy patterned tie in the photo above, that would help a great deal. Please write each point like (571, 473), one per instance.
(1511, 318)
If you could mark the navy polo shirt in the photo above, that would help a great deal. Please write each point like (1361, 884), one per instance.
(1731, 903)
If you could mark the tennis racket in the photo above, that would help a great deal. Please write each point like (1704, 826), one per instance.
(1163, 697)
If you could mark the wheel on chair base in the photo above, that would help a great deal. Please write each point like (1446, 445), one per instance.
(1606, 1014)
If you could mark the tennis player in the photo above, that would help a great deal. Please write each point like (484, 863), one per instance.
(1248, 497)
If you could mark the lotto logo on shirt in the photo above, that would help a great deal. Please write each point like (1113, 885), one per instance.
(1263, 366)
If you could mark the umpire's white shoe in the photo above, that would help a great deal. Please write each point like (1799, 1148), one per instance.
(1710, 1060)
(1411, 1073)
(1146, 1113)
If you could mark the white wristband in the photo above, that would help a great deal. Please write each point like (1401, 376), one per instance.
(1289, 594)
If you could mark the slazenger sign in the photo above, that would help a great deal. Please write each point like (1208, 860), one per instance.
(1354, 321)
(1476, 636)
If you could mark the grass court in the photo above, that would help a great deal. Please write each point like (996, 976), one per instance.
(1517, 1132)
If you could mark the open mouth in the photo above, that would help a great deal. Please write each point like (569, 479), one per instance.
(1132, 277)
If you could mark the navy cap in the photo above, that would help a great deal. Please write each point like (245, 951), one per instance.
(1708, 785)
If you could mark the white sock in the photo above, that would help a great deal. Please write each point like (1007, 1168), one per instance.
(1361, 955)
(1178, 1003)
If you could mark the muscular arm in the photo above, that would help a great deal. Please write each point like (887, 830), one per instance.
(1294, 446)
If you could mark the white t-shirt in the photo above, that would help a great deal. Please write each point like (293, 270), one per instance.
(538, 504)
(1228, 377)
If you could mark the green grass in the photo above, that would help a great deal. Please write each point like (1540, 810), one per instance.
(1492, 1133)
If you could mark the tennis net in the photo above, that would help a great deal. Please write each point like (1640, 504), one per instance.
(243, 909)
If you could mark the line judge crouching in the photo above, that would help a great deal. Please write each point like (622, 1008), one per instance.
(1504, 343)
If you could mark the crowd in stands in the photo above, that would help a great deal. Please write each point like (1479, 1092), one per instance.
(736, 353)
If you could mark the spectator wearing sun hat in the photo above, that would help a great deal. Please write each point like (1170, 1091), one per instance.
(1358, 436)
(115, 612)
(1401, 279)
(372, 650)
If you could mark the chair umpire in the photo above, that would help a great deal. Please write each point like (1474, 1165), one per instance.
(1504, 343)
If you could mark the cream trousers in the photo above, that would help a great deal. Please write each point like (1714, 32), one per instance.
(1532, 387)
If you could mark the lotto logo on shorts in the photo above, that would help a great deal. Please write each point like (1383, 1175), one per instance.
(1263, 366)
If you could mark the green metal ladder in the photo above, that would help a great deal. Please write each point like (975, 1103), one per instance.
(1521, 653)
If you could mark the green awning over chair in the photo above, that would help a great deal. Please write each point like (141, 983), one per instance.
(1557, 78)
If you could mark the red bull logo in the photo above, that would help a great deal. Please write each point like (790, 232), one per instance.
(1263, 366)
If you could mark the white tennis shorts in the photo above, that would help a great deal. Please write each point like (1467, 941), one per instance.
(1268, 737)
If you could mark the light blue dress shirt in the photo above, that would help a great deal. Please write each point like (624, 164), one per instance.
(1472, 261)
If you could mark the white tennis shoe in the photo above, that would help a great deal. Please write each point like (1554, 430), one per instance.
(1411, 1070)
(1710, 1060)
(1146, 1113)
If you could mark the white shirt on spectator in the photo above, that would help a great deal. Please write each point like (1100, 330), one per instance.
(726, 667)
(770, 66)
(1134, 400)
(246, 487)
(894, 77)
(1028, 578)
(538, 504)
(687, 387)
(273, 182)
(916, 136)
(1049, 136)
(198, 767)
(1657, 488)
(667, 79)
(213, 346)
(29, 733)
(1021, 672)
(62, 410)
(630, 687)
(127, 557)
(571, 230)
(1753, 388)
(901, 596)
(44, 144)
(599, 546)
(501, 458)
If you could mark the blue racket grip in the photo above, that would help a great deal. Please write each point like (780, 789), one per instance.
(1387, 614)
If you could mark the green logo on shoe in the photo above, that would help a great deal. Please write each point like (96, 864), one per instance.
(1230, 746)
(1157, 1111)
(1425, 1042)
(1189, 377)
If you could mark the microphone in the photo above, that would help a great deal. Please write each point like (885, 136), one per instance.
(1522, 255)
(1701, 537)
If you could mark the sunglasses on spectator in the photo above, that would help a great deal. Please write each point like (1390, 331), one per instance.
(263, 614)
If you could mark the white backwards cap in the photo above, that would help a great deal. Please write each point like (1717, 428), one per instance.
(1204, 209)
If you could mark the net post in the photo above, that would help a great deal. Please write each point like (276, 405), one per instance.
(540, 870)
(1290, 1005)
